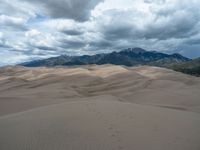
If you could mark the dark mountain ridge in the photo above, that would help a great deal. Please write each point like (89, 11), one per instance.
(127, 57)
(190, 67)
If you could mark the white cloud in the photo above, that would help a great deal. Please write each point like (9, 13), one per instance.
(34, 29)
(17, 8)
(32, 33)
(1, 35)
(13, 22)
(39, 40)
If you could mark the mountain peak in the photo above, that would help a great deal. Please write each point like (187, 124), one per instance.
(127, 57)
(135, 50)
(179, 56)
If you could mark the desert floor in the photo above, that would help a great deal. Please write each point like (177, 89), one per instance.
(98, 108)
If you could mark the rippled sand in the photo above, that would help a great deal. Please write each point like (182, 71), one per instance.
(98, 108)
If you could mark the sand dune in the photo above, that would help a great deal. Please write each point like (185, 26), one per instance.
(98, 107)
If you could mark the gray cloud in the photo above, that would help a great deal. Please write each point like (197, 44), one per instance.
(74, 27)
(15, 23)
(155, 1)
(178, 26)
(72, 32)
(16, 8)
(72, 44)
(79, 10)
(181, 24)
(164, 29)
(3, 42)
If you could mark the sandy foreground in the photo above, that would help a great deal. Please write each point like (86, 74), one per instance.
(98, 108)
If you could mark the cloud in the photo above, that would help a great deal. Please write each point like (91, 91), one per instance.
(45, 28)
(12, 22)
(166, 26)
(155, 1)
(3, 42)
(79, 10)
(121, 24)
(17, 8)
(68, 27)
(10, 58)
(39, 40)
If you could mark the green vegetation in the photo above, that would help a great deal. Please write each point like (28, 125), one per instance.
(191, 67)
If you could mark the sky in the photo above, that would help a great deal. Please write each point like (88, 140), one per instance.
(37, 29)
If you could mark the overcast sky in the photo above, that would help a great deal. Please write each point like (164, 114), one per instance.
(34, 29)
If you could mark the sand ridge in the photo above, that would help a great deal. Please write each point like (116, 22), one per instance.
(98, 107)
(39, 72)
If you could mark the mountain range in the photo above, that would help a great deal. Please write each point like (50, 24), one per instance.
(126, 57)
(190, 67)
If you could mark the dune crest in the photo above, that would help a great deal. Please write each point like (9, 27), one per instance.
(98, 107)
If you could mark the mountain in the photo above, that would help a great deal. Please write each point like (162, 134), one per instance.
(190, 67)
(127, 57)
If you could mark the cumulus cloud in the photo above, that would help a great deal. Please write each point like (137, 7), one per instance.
(17, 8)
(42, 41)
(79, 10)
(45, 28)
(68, 27)
(131, 24)
(13, 22)
(155, 1)
(3, 42)
(165, 26)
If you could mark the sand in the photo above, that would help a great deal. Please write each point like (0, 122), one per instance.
(98, 108)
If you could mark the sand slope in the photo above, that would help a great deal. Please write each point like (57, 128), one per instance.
(98, 108)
